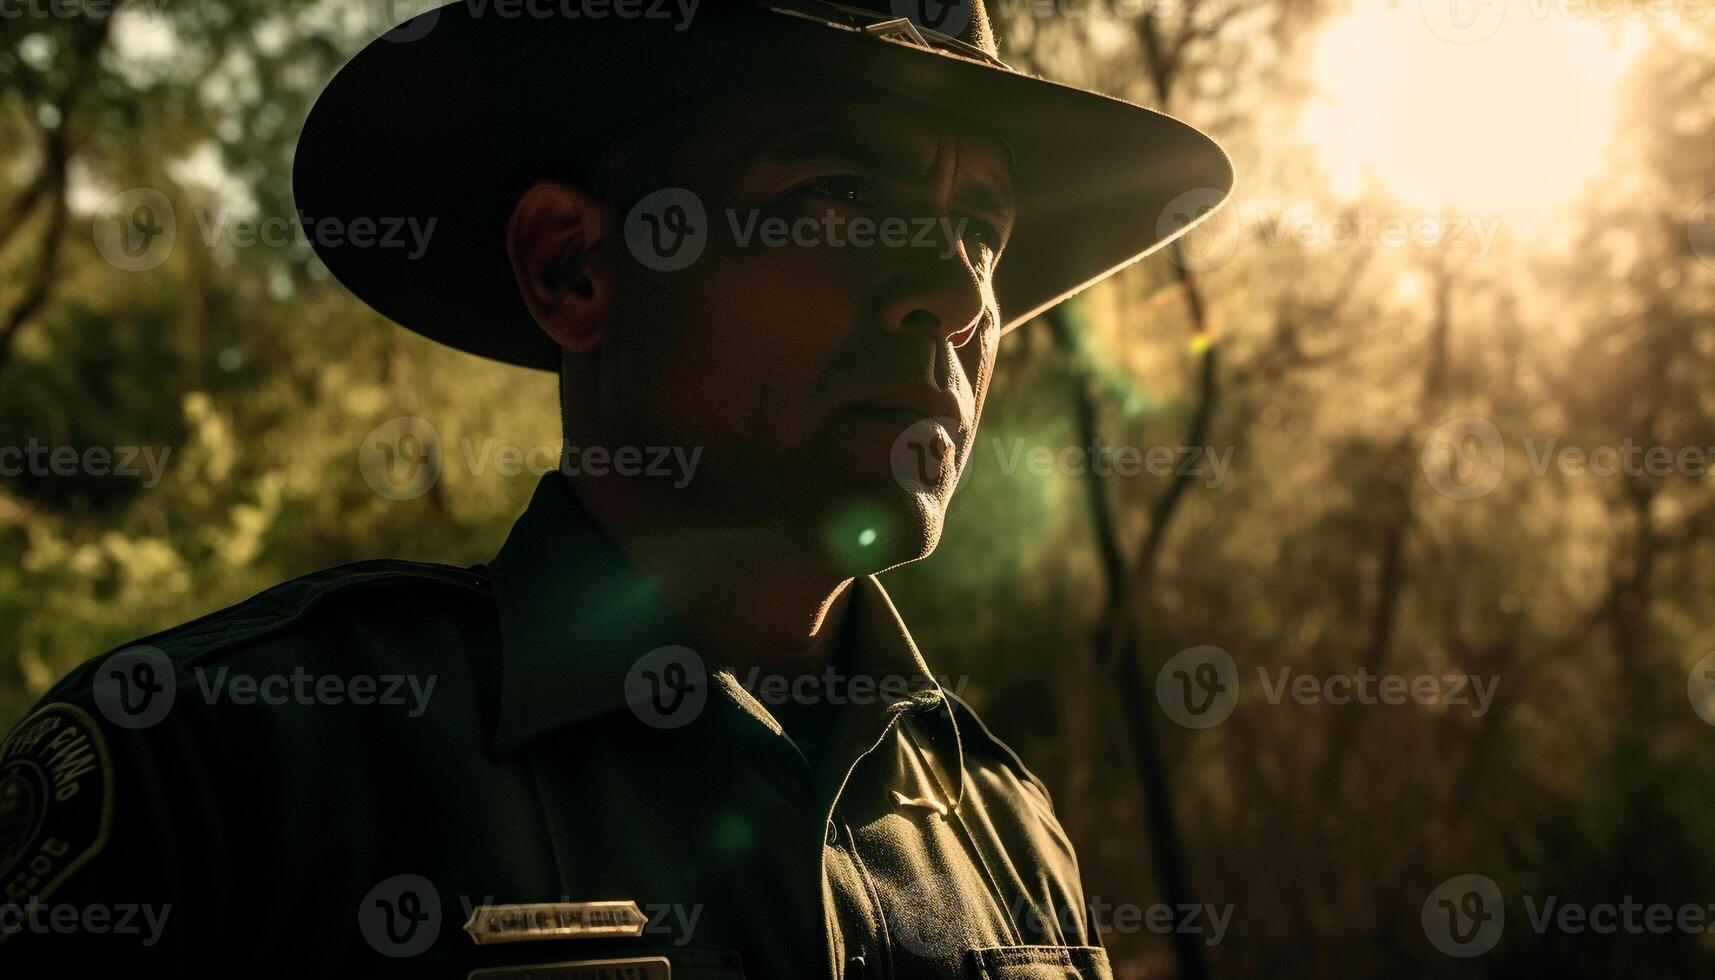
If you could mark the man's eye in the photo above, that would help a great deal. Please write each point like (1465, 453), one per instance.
(844, 188)
(981, 238)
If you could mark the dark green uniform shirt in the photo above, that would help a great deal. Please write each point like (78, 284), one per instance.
(366, 770)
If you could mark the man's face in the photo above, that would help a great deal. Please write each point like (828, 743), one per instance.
(833, 380)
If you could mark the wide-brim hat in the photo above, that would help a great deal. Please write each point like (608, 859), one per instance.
(448, 117)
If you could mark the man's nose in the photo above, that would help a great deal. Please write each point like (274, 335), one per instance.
(937, 292)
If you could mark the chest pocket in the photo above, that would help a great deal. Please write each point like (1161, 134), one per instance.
(1038, 963)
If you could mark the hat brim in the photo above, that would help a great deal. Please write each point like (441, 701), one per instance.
(449, 118)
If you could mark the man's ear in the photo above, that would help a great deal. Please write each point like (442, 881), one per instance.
(554, 240)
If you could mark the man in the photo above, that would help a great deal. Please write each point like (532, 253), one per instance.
(771, 236)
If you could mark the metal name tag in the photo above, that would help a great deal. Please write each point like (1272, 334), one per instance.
(555, 920)
(643, 968)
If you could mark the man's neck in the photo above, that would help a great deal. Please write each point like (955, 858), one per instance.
(750, 606)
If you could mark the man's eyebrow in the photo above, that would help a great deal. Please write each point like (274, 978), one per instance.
(825, 139)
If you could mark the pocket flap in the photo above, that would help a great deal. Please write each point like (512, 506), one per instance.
(1038, 963)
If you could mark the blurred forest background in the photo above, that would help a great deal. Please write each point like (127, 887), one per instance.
(1552, 164)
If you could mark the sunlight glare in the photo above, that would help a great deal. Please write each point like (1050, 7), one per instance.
(1512, 125)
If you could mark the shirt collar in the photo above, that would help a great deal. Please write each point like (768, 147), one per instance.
(576, 614)
(886, 651)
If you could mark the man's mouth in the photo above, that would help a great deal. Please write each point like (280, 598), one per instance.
(904, 406)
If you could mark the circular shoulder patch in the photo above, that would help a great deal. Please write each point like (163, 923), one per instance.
(56, 801)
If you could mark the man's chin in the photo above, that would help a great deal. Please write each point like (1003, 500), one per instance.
(868, 532)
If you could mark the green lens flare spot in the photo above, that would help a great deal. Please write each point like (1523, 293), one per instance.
(857, 531)
(731, 837)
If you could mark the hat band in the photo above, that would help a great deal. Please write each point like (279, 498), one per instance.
(865, 21)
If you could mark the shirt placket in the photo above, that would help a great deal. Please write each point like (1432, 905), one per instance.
(856, 928)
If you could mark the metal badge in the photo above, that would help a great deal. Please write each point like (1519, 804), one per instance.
(637, 968)
(555, 920)
(926, 802)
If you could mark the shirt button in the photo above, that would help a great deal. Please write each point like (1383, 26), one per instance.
(856, 968)
(833, 836)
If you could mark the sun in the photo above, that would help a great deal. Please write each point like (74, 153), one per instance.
(1508, 118)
